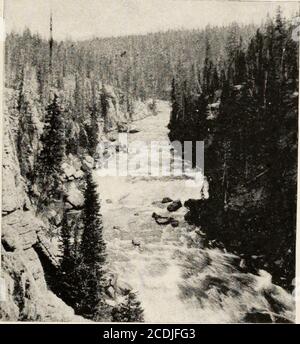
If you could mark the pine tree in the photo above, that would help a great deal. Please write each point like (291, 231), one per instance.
(233, 42)
(93, 133)
(93, 129)
(92, 257)
(207, 69)
(51, 41)
(51, 156)
(128, 311)
(67, 281)
(67, 261)
(104, 109)
(25, 130)
(174, 109)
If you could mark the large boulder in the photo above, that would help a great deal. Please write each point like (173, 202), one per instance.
(174, 206)
(174, 223)
(164, 220)
(10, 240)
(74, 196)
(68, 171)
(110, 291)
(23, 228)
(161, 220)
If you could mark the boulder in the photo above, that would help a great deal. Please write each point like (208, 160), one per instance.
(23, 228)
(174, 223)
(166, 200)
(110, 291)
(174, 206)
(10, 240)
(197, 211)
(74, 196)
(164, 220)
(161, 220)
(68, 170)
(88, 162)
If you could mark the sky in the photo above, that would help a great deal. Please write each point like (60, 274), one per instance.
(81, 19)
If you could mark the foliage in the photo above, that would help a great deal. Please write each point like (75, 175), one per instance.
(128, 311)
(247, 115)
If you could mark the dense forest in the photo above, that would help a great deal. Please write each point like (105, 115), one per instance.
(234, 87)
(246, 113)
(141, 66)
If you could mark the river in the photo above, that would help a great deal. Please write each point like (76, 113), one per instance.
(177, 279)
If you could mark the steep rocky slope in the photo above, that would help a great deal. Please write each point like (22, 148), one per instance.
(28, 252)
(27, 294)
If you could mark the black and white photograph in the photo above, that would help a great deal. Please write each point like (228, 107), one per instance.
(149, 161)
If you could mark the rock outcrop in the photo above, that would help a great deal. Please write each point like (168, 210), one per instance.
(13, 192)
(29, 253)
(165, 220)
(74, 196)
(25, 293)
(174, 206)
(117, 116)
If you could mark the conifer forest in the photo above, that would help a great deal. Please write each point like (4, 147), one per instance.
(79, 244)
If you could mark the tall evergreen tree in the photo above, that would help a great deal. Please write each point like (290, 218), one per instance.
(207, 69)
(67, 278)
(25, 129)
(51, 156)
(92, 257)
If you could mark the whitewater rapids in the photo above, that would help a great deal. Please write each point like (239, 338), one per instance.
(177, 279)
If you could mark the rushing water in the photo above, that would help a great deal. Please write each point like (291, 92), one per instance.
(177, 279)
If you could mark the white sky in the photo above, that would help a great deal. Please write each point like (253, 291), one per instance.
(81, 19)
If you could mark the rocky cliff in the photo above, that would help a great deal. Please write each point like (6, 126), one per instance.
(26, 294)
(28, 252)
